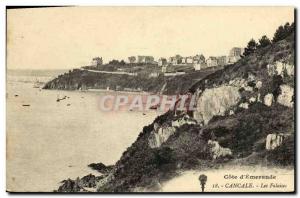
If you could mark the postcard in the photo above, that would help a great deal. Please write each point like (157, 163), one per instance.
(184, 99)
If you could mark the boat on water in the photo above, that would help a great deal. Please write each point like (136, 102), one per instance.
(59, 99)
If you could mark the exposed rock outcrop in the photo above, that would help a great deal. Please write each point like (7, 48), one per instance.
(216, 101)
(218, 151)
(80, 184)
(173, 143)
(244, 105)
(258, 84)
(279, 68)
(100, 167)
(161, 134)
(252, 99)
(286, 96)
(268, 99)
(273, 141)
(183, 120)
(248, 88)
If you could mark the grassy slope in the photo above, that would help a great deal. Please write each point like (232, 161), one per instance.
(244, 132)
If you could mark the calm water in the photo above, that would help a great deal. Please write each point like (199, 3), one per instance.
(50, 141)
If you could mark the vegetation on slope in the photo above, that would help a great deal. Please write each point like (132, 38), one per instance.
(243, 132)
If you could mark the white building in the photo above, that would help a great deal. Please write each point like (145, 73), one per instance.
(141, 59)
(162, 61)
(235, 54)
(164, 68)
(212, 61)
(199, 66)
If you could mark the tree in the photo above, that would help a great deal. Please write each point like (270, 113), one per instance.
(132, 59)
(113, 62)
(122, 62)
(279, 34)
(251, 47)
(283, 31)
(264, 41)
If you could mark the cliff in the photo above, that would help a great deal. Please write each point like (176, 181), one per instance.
(244, 113)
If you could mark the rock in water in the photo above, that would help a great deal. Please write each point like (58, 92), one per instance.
(69, 185)
(100, 167)
(79, 185)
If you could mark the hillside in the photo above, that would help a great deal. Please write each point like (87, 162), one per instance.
(244, 115)
(84, 80)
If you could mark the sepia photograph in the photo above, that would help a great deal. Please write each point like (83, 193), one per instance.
(150, 99)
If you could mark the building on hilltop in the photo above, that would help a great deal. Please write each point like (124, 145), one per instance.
(145, 59)
(187, 60)
(235, 54)
(97, 61)
(221, 60)
(164, 68)
(212, 61)
(199, 66)
(198, 59)
(162, 62)
(175, 60)
(141, 59)
(153, 75)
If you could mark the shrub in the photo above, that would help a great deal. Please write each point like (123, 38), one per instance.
(263, 42)
(283, 31)
(251, 47)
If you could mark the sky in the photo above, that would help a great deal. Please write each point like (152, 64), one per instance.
(69, 37)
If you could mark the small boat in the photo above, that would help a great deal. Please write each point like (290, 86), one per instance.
(59, 99)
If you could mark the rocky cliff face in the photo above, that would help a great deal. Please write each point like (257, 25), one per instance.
(244, 110)
(161, 134)
(218, 151)
(286, 96)
(273, 141)
(215, 101)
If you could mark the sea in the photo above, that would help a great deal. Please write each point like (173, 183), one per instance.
(49, 141)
